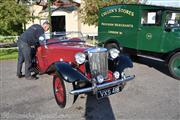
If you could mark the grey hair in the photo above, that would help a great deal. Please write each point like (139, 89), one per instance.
(46, 22)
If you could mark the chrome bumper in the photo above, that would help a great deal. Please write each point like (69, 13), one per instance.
(96, 87)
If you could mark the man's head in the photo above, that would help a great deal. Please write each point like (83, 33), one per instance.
(46, 26)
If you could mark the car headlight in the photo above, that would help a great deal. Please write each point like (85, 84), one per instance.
(114, 53)
(116, 74)
(100, 79)
(80, 58)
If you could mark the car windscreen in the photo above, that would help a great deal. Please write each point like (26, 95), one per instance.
(55, 37)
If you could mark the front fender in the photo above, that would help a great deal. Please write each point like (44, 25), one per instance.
(68, 73)
(123, 62)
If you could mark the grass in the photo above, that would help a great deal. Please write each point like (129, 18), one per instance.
(8, 53)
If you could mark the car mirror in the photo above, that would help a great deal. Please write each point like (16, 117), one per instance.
(167, 29)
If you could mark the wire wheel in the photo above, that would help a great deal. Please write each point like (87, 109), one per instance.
(62, 92)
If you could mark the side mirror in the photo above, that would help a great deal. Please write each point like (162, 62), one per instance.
(167, 28)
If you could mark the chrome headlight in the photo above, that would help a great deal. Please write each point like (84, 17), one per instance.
(100, 79)
(80, 58)
(114, 53)
(116, 74)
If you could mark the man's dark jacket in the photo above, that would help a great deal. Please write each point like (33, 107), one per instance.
(32, 34)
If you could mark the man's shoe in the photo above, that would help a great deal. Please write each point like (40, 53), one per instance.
(20, 76)
(31, 78)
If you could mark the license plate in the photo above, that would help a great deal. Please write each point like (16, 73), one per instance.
(106, 92)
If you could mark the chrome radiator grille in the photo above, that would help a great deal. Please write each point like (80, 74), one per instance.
(98, 61)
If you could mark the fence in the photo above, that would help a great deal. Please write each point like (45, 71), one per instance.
(8, 39)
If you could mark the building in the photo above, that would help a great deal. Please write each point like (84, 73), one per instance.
(65, 14)
(64, 17)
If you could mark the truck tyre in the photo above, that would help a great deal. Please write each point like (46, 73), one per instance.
(62, 92)
(174, 65)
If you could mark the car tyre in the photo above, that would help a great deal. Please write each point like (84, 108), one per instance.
(174, 65)
(62, 92)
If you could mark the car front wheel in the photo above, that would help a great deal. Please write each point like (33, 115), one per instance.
(62, 92)
(174, 65)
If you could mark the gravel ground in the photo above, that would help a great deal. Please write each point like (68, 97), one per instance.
(153, 95)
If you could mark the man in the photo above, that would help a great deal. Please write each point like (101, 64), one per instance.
(28, 39)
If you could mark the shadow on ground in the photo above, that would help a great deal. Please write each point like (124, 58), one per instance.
(158, 65)
(98, 109)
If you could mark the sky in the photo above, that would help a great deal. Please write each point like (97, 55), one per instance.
(78, 1)
(171, 3)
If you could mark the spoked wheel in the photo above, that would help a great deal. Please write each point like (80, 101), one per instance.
(62, 92)
(174, 65)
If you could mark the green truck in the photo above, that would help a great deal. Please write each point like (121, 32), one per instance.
(143, 30)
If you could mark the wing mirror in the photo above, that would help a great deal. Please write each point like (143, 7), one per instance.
(167, 28)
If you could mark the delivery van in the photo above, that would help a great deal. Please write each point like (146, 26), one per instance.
(143, 30)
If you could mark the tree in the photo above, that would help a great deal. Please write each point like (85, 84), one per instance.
(12, 16)
(90, 8)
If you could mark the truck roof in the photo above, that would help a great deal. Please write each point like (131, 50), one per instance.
(148, 6)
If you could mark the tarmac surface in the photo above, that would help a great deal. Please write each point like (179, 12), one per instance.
(152, 95)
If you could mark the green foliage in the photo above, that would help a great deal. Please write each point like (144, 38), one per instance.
(89, 10)
(9, 39)
(8, 53)
(12, 16)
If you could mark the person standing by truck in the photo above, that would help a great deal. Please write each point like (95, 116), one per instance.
(27, 40)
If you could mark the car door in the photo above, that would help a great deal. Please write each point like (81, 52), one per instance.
(171, 30)
(150, 31)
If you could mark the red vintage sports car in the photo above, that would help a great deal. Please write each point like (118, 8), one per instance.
(78, 67)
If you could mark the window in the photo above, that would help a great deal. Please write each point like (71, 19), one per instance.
(172, 19)
(151, 17)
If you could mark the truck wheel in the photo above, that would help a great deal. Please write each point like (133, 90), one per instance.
(61, 92)
(174, 65)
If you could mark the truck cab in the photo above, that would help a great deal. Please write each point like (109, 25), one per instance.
(143, 30)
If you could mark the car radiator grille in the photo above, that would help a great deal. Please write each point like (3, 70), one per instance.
(98, 61)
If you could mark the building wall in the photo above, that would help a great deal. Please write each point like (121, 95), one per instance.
(35, 10)
(73, 22)
(89, 30)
